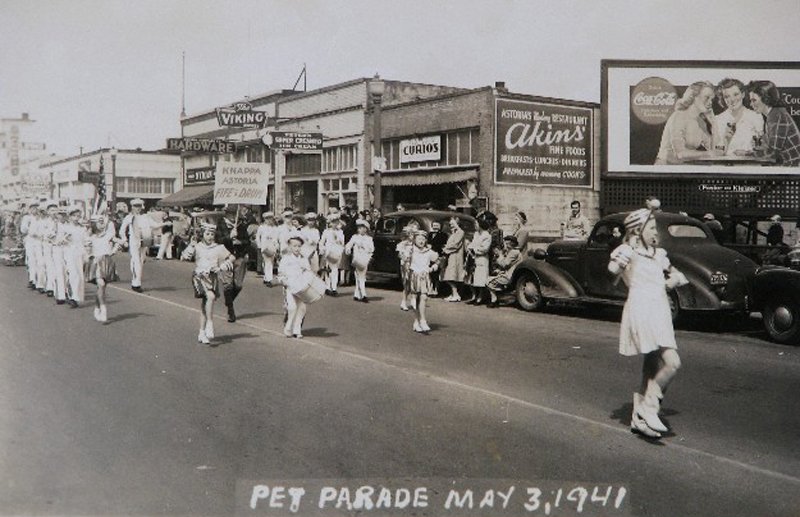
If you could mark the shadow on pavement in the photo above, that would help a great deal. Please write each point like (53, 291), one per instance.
(164, 288)
(623, 416)
(128, 316)
(318, 332)
(230, 338)
(254, 315)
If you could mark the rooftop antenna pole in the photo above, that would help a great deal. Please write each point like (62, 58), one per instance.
(303, 75)
(183, 84)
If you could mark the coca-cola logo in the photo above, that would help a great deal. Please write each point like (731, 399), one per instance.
(653, 100)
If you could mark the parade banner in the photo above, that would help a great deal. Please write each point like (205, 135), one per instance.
(695, 117)
(241, 182)
(201, 145)
(427, 149)
(543, 144)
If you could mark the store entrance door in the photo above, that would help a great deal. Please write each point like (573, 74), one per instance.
(302, 196)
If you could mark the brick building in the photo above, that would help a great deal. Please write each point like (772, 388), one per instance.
(491, 148)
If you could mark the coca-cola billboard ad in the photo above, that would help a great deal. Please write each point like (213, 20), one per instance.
(543, 144)
(706, 117)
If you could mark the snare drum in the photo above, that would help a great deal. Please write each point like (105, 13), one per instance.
(308, 287)
(269, 249)
(333, 254)
(361, 261)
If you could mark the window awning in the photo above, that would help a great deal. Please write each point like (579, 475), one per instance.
(406, 179)
(188, 196)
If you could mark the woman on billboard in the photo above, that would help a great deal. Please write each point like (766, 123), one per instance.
(781, 139)
(740, 127)
(690, 130)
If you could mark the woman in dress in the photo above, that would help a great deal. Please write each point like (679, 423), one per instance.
(781, 140)
(690, 131)
(646, 326)
(479, 249)
(520, 230)
(454, 251)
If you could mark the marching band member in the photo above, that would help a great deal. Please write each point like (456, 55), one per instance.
(311, 238)
(285, 230)
(291, 268)
(137, 230)
(35, 232)
(75, 256)
(331, 248)
(60, 245)
(27, 239)
(48, 233)
(421, 262)
(237, 240)
(361, 248)
(210, 258)
(104, 243)
(403, 250)
(268, 242)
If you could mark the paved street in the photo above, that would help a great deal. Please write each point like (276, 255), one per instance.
(135, 417)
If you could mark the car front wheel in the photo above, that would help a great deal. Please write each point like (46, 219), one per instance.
(529, 293)
(782, 321)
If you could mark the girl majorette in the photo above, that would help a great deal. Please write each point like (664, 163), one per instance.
(646, 326)
(104, 243)
(422, 261)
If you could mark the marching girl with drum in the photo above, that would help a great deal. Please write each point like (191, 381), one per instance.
(295, 273)
(361, 248)
(210, 258)
(421, 262)
(646, 326)
(268, 241)
(331, 248)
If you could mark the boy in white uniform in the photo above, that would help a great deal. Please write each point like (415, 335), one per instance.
(59, 260)
(74, 256)
(138, 228)
(24, 230)
(48, 232)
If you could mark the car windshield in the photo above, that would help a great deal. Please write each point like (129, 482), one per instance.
(686, 231)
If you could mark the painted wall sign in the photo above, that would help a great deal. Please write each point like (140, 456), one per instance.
(543, 144)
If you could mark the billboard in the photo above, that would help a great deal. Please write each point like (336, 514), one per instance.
(700, 117)
(543, 144)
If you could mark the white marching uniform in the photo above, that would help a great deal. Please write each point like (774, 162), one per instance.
(74, 258)
(60, 245)
(141, 232)
(48, 233)
(268, 242)
(361, 247)
(35, 233)
(293, 267)
(311, 239)
(331, 248)
(24, 229)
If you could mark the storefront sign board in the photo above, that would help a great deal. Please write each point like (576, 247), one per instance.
(426, 149)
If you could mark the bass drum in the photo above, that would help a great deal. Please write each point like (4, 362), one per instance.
(308, 287)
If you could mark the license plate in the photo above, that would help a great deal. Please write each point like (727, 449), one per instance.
(719, 279)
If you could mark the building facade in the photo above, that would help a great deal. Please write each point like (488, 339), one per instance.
(20, 158)
(335, 175)
(127, 173)
(491, 149)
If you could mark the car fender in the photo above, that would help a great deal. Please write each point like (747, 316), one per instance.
(697, 295)
(771, 282)
(553, 281)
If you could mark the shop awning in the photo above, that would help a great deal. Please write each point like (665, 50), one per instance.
(406, 179)
(188, 196)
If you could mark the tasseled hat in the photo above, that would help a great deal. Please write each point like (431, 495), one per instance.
(637, 219)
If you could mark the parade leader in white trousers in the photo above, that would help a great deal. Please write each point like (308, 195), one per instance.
(139, 230)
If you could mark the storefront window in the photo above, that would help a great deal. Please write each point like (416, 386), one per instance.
(297, 164)
(340, 158)
(457, 148)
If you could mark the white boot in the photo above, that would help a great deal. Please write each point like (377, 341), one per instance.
(201, 337)
(209, 329)
(651, 405)
(102, 314)
(638, 424)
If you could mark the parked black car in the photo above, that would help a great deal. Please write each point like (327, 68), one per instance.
(720, 279)
(388, 233)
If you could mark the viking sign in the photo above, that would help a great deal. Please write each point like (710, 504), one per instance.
(241, 114)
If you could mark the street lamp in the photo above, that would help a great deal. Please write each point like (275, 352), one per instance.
(113, 178)
(376, 90)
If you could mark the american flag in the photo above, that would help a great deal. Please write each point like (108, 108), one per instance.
(100, 191)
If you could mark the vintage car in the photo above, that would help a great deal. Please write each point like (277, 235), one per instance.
(719, 278)
(385, 265)
(776, 294)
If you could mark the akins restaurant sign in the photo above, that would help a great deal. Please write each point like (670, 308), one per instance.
(543, 144)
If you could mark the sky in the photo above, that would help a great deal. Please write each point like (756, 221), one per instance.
(108, 73)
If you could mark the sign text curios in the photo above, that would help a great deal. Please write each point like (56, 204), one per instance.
(426, 149)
